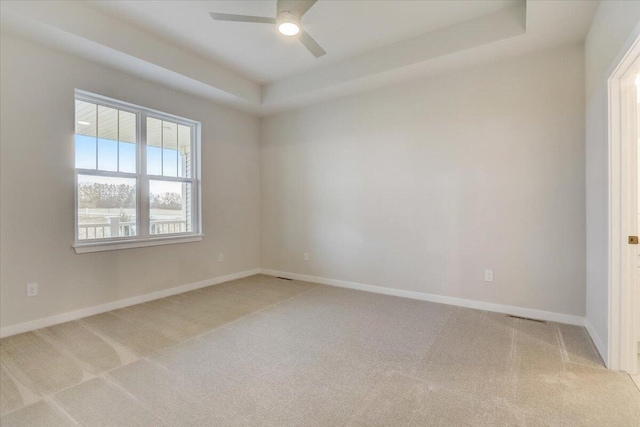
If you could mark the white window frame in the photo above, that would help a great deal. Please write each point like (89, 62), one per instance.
(144, 237)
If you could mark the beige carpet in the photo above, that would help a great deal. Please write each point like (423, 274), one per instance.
(265, 351)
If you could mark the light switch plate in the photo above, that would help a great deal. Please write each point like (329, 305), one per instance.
(32, 290)
(488, 275)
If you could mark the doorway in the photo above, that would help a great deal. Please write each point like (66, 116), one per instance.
(624, 213)
(636, 312)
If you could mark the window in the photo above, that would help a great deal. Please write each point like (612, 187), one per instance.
(136, 176)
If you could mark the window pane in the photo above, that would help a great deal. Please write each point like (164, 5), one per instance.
(169, 149)
(171, 206)
(107, 123)
(106, 207)
(107, 155)
(163, 152)
(86, 135)
(107, 138)
(127, 145)
(85, 152)
(154, 146)
(86, 118)
(184, 151)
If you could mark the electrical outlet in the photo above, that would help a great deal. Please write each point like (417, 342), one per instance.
(220, 257)
(488, 275)
(32, 290)
(306, 256)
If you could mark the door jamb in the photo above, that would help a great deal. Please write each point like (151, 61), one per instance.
(623, 219)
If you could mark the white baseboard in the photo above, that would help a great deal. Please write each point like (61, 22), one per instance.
(602, 349)
(480, 305)
(90, 311)
(461, 302)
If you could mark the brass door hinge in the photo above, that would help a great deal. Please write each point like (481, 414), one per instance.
(633, 240)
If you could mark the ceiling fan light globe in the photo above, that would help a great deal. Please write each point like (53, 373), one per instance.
(288, 24)
(288, 29)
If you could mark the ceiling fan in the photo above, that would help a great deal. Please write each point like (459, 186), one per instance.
(288, 20)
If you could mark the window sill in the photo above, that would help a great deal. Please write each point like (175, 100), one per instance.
(82, 248)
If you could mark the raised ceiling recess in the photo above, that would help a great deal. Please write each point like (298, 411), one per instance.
(253, 66)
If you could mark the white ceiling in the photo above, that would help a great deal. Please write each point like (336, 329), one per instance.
(343, 28)
(370, 43)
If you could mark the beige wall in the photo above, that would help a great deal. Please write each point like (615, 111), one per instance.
(418, 187)
(37, 181)
(612, 26)
(422, 186)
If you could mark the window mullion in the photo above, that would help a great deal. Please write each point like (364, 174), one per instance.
(195, 175)
(143, 193)
(118, 142)
(195, 226)
(97, 145)
(96, 172)
(169, 178)
(75, 204)
(162, 147)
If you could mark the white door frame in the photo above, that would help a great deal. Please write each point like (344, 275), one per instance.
(623, 212)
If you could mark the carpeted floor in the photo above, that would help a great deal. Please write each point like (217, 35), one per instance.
(266, 351)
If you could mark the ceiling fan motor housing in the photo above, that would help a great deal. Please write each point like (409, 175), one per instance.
(288, 19)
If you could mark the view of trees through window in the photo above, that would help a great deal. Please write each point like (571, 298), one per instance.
(98, 195)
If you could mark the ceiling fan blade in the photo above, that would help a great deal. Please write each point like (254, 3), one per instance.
(296, 7)
(311, 44)
(242, 18)
(285, 6)
(302, 6)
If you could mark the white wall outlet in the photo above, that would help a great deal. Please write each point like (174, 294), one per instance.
(32, 289)
(220, 257)
(306, 256)
(488, 275)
